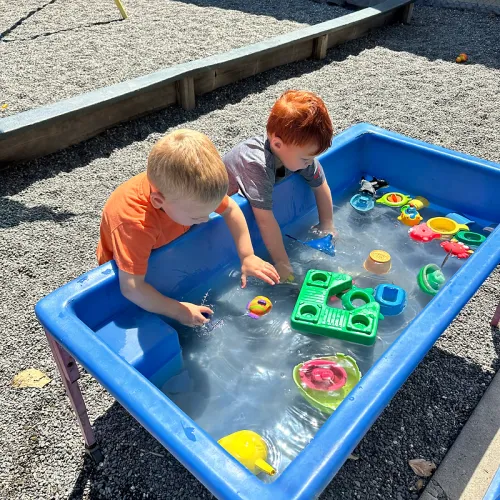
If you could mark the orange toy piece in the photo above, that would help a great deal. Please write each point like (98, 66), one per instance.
(462, 58)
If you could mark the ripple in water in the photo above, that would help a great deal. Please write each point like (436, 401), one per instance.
(238, 370)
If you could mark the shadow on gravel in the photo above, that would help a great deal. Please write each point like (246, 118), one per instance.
(13, 213)
(422, 421)
(440, 35)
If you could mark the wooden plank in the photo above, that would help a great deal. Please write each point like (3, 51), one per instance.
(185, 93)
(320, 47)
(362, 28)
(407, 13)
(230, 73)
(44, 130)
(68, 129)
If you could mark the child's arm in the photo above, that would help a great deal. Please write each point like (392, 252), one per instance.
(271, 234)
(251, 265)
(325, 208)
(142, 294)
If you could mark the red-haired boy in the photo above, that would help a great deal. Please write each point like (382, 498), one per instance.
(298, 129)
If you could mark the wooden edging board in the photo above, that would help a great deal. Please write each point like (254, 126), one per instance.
(44, 130)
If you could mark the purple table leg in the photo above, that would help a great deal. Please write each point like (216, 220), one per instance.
(70, 374)
(495, 321)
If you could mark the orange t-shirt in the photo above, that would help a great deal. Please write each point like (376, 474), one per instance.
(131, 227)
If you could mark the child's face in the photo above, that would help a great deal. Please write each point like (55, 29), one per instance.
(186, 211)
(294, 157)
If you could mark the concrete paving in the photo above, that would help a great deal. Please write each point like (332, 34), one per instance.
(469, 467)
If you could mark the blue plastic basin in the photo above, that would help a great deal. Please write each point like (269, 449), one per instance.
(123, 347)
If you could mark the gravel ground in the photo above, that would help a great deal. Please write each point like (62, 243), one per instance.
(73, 46)
(399, 78)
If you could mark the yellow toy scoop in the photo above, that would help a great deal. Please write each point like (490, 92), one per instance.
(249, 449)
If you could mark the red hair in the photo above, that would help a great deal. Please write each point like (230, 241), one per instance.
(299, 117)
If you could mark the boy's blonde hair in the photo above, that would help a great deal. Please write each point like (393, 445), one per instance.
(186, 164)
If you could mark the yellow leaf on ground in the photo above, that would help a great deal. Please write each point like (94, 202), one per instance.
(30, 378)
(421, 467)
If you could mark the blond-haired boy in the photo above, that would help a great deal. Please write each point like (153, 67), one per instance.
(185, 182)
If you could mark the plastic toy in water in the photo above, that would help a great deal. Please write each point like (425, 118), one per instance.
(394, 199)
(469, 238)
(322, 375)
(459, 219)
(362, 202)
(325, 244)
(325, 382)
(370, 185)
(249, 449)
(419, 202)
(409, 216)
(423, 233)
(430, 279)
(259, 306)
(490, 228)
(392, 299)
(312, 314)
(445, 226)
(355, 293)
(457, 249)
(378, 262)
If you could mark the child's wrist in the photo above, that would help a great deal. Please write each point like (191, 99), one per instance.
(245, 255)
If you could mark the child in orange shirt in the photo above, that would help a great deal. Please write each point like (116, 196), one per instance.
(298, 129)
(185, 182)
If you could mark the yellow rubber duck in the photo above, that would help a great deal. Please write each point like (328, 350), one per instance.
(249, 449)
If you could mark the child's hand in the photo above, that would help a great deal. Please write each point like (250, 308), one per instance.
(285, 271)
(254, 266)
(327, 228)
(192, 315)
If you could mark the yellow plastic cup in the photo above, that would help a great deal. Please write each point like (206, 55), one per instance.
(445, 226)
(378, 262)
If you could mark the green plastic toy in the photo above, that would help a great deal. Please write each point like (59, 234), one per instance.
(469, 238)
(355, 293)
(394, 199)
(312, 314)
(430, 279)
(325, 400)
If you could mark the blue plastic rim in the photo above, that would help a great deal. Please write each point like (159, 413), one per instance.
(78, 314)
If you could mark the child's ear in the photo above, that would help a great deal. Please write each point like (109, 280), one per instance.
(276, 142)
(157, 199)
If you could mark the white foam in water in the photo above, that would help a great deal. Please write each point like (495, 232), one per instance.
(238, 370)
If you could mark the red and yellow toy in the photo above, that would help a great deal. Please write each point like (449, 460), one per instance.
(259, 306)
(462, 58)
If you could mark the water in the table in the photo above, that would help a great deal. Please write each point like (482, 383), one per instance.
(238, 370)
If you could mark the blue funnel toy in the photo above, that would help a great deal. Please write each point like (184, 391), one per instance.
(325, 244)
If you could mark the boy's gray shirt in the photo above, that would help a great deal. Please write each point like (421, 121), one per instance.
(252, 167)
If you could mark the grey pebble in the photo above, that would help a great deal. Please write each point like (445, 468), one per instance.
(402, 78)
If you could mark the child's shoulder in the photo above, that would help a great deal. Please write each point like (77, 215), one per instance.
(253, 150)
(130, 198)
